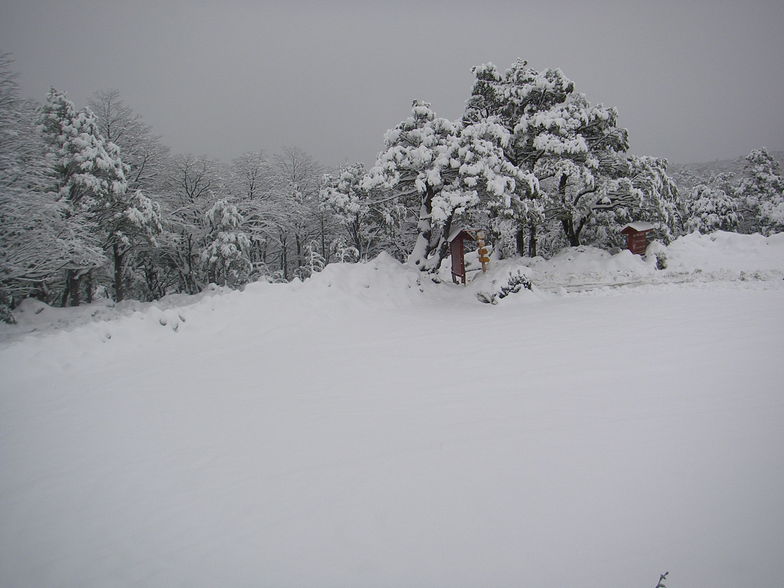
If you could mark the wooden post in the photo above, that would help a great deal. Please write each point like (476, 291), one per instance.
(482, 250)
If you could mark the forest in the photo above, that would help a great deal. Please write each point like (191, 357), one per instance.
(94, 204)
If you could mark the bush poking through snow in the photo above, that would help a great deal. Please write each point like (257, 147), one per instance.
(515, 282)
(658, 252)
(6, 315)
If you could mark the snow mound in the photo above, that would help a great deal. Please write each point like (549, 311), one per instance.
(385, 283)
(589, 266)
(381, 281)
(719, 256)
(728, 254)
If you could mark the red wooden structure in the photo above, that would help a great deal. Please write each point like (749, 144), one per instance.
(457, 251)
(637, 236)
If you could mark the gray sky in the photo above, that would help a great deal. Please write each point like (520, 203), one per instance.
(692, 80)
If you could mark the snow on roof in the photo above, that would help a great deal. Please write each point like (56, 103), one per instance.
(639, 226)
(458, 230)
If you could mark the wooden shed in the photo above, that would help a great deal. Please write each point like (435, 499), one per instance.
(637, 236)
(457, 252)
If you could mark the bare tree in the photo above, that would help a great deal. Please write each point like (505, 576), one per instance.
(142, 150)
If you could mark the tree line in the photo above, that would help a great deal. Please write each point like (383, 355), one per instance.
(92, 202)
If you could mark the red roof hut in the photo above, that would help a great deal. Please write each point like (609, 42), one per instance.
(637, 236)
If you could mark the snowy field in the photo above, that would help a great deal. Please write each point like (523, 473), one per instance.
(363, 429)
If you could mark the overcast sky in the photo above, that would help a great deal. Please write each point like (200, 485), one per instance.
(692, 80)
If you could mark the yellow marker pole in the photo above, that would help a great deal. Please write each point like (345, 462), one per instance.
(482, 250)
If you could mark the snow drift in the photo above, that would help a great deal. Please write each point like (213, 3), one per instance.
(369, 427)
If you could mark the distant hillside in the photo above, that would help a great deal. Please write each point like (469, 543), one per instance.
(687, 175)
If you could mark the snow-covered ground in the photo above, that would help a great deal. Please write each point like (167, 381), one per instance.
(364, 428)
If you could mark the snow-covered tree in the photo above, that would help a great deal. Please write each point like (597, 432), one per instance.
(38, 241)
(575, 150)
(442, 171)
(134, 223)
(711, 209)
(490, 190)
(650, 195)
(86, 168)
(762, 193)
(302, 220)
(351, 204)
(250, 182)
(314, 262)
(661, 201)
(278, 197)
(226, 251)
(513, 99)
(582, 164)
(89, 175)
(146, 159)
(142, 151)
(414, 168)
(191, 182)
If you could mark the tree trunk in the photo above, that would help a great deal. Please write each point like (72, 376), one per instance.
(423, 246)
(520, 241)
(324, 250)
(571, 234)
(189, 269)
(355, 235)
(88, 286)
(532, 242)
(72, 289)
(441, 248)
(66, 289)
(567, 221)
(284, 261)
(119, 291)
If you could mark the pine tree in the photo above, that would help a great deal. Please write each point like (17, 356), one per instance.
(442, 171)
(89, 175)
(144, 272)
(582, 164)
(576, 152)
(226, 252)
(711, 209)
(414, 168)
(762, 193)
(314, 262)
(649, 194)
(82, 174)
(513, 99)
(490, 190)
(661, 200)
(37, 240)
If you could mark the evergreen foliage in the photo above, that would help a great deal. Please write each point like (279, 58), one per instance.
(711, 209)
(226, 251)
(761, 191)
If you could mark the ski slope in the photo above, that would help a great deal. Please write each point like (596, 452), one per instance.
(366, 428)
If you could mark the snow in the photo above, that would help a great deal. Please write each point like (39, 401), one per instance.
(639, 226)
(368, 427)
(457, 230)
